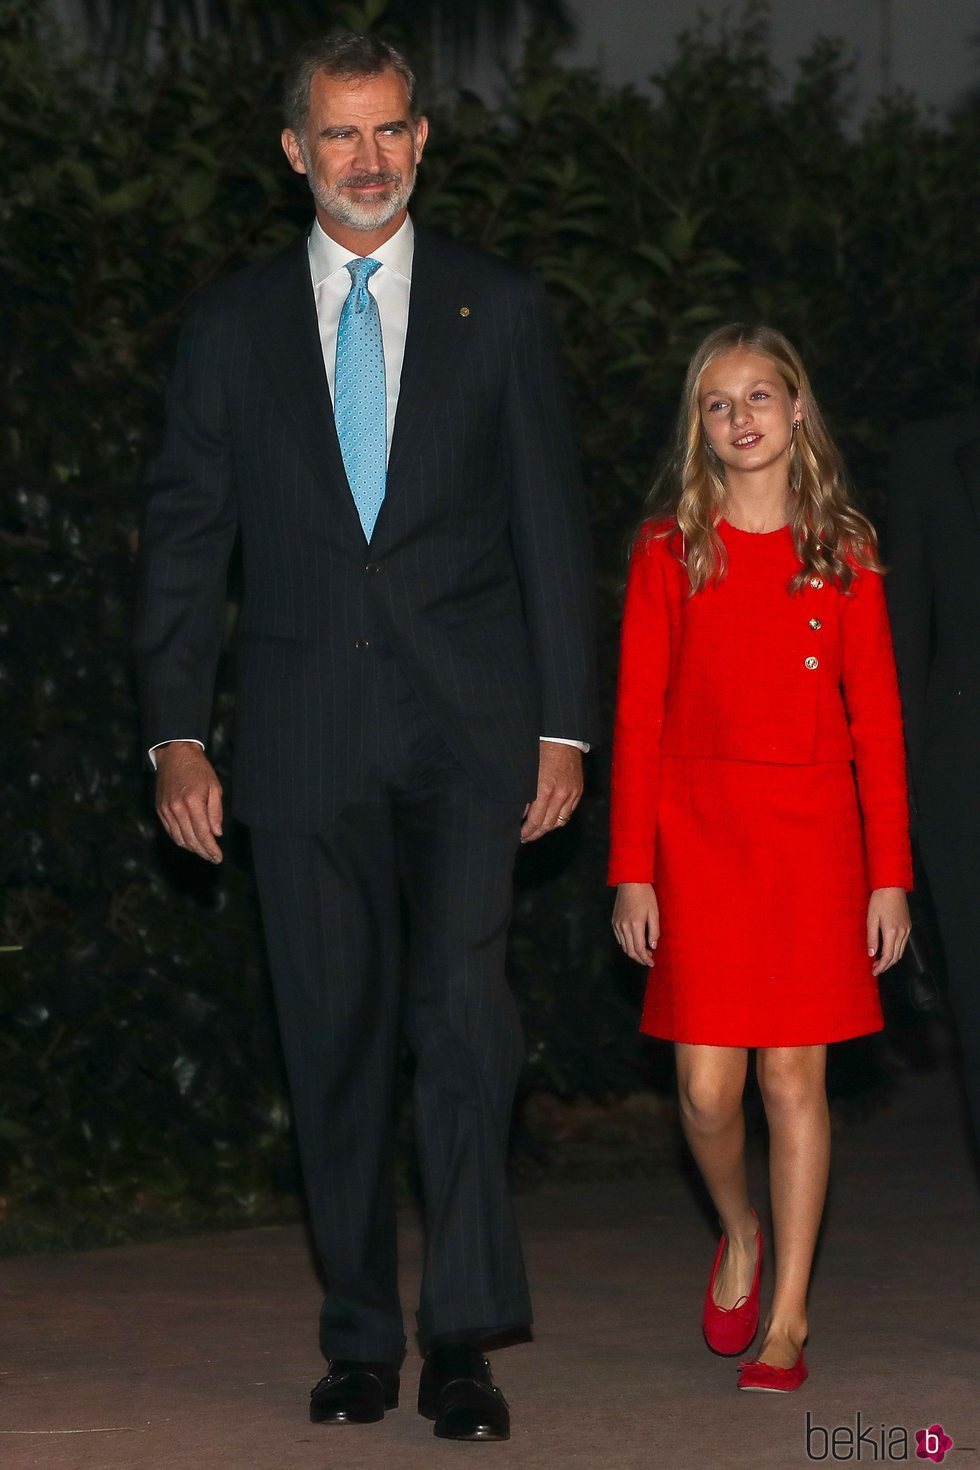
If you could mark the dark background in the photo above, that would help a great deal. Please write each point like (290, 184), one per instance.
(140, 1085)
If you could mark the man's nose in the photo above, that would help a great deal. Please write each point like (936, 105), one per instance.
(369, 156)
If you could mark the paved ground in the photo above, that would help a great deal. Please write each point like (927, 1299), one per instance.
(196, 1355)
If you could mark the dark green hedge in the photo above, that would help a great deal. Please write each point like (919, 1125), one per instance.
(138, 1056)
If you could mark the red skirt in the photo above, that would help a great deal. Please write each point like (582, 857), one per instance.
(763, 892)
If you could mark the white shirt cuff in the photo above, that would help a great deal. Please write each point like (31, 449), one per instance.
(552, 739)
(187, 739)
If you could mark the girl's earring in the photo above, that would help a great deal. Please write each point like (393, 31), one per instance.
(796, 425)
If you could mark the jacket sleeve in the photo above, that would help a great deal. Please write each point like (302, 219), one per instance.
(644, 667)
(870, 690)
(909, 590)
(549, 528)
(188, 529)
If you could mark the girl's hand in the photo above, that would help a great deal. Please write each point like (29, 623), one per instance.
(889, 927)
(636, 921)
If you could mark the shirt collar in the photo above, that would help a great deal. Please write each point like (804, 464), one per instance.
(327, 257)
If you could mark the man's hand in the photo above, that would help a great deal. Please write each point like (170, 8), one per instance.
(636, 921)
(189, 798)
(560, 783)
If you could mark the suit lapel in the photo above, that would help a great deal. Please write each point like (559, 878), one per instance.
(287, 337)
(433, 333)
(968, 463)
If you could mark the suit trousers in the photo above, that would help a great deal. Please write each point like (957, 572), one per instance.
(952, 863)
(398, 911)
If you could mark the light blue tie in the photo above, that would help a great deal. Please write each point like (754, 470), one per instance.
(360, 397)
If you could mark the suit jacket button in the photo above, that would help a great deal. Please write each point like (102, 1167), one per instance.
(816, 582)
(811, 663)
(372, 568)
(816, 624)
(360, 643)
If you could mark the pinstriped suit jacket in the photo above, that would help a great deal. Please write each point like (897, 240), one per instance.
(478, 574)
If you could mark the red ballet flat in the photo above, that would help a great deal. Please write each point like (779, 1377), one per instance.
(757, 1377)
(729, 1330)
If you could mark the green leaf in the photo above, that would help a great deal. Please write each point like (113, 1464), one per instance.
(655, 256)
(13, 1132)
(195, 194)
(128, 197)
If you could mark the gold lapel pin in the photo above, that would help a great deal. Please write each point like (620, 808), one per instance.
(464, 311)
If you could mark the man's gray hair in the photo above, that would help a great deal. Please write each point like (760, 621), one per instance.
(349, 55)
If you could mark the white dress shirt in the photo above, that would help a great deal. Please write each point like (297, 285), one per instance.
(391, 288)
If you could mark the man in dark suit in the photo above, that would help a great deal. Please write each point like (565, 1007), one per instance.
(933, 547)
(378, 414)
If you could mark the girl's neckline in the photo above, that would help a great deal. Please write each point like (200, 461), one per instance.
(756, 535)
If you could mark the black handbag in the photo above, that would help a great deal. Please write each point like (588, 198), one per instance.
(915, 980)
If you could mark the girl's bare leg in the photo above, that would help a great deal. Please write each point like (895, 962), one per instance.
(792, 1080)
(710, 1084)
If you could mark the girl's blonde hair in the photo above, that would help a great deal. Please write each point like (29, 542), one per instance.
(831, 536)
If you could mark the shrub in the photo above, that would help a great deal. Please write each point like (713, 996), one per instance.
(139, 1052)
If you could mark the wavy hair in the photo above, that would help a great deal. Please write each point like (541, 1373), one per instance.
(345, 54)
(831, 536)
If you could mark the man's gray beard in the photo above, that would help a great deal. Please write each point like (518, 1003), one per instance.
(360, 216)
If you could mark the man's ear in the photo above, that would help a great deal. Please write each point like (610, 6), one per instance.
(421, 136)
(292, 150)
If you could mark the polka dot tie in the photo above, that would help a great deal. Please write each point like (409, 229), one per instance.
(360, 397)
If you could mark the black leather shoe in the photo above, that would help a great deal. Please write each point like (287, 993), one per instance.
(457, 1391)
(354, 1393)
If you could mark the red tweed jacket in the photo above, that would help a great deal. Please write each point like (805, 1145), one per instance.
(745, 670)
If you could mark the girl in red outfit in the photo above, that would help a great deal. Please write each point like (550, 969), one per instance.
(759, 825)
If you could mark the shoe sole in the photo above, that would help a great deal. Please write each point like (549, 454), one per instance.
(481, 1436)
(349, 1419)
(730, 1352)
(342, 1418)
